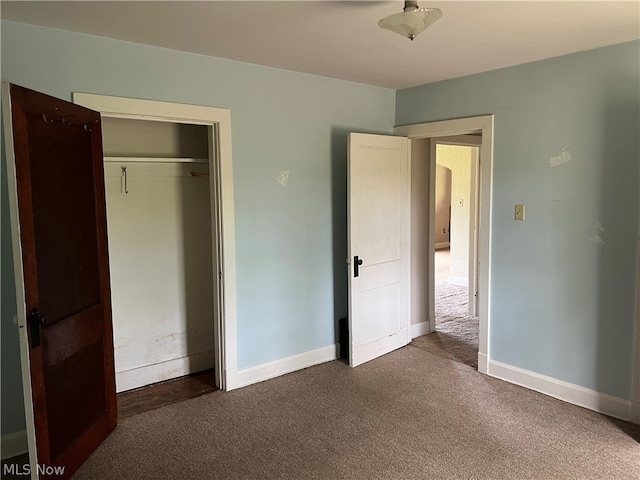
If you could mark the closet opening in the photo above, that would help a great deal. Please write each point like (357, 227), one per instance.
(161, 244)
(171, 230)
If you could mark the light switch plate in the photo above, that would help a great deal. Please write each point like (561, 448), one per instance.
(519, 212)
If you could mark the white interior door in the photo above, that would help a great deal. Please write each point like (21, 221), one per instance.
(378, 238)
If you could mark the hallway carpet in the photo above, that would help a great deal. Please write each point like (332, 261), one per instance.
(456, 335)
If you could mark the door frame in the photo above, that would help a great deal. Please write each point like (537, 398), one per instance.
(448, 128)
(218, 123)
(18, 272)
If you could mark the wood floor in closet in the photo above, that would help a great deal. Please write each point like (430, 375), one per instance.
(160, 394)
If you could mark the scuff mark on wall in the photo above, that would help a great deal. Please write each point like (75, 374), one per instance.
(283, 177)
(563, 157)
(597, 237)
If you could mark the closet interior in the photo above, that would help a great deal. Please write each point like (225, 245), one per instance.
(160, 249)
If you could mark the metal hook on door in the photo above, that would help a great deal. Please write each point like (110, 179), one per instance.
(66, 122)
(125, 186)
(49, 120)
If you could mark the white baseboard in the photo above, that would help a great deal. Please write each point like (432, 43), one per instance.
(419, 329)
(440, 245)
(483, 363)
(13, 444)
(259, 373)
(159, 372)
(461, 282)
(568, 392)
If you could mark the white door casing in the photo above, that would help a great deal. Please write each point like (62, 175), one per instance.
(379, 235)
(218, 121)
(451, 129)
(19, 275)
(473, 234)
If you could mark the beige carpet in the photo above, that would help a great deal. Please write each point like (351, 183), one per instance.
(456, 335)
(407, 415)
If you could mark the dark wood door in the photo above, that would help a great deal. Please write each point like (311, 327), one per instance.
(62, 218)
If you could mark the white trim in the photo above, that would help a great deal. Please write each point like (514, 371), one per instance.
(18, 270)
(483, 363)
(158, 372)
(472, 274)
(14, 444)
(565, 391)
(419, 329)
(459, 281)
(448, 128)
(259, 373)
(222, 203)
(133, 108)
(445, 128)
(431, 280)
(462, 140)
(442, 245)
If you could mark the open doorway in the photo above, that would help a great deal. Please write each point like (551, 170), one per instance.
(424, 139)
(160, 249)
(160, 256)
(456, 334)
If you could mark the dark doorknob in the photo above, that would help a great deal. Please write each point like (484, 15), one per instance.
(356, 266)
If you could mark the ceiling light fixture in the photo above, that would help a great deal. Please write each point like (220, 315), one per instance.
(412, 21)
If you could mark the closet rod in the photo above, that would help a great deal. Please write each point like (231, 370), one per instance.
(156, 159)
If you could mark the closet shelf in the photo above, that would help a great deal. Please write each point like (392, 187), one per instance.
(156, 159)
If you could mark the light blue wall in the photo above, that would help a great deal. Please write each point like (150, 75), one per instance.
(291, 241)
(562, 303)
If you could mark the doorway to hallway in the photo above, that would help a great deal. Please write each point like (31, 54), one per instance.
(456, 329)
(424, 139)
(454, 325)
(456, 333)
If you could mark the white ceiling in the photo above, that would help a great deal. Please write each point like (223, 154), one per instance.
(342, 40)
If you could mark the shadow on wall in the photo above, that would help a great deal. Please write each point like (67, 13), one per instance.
(615, 237)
